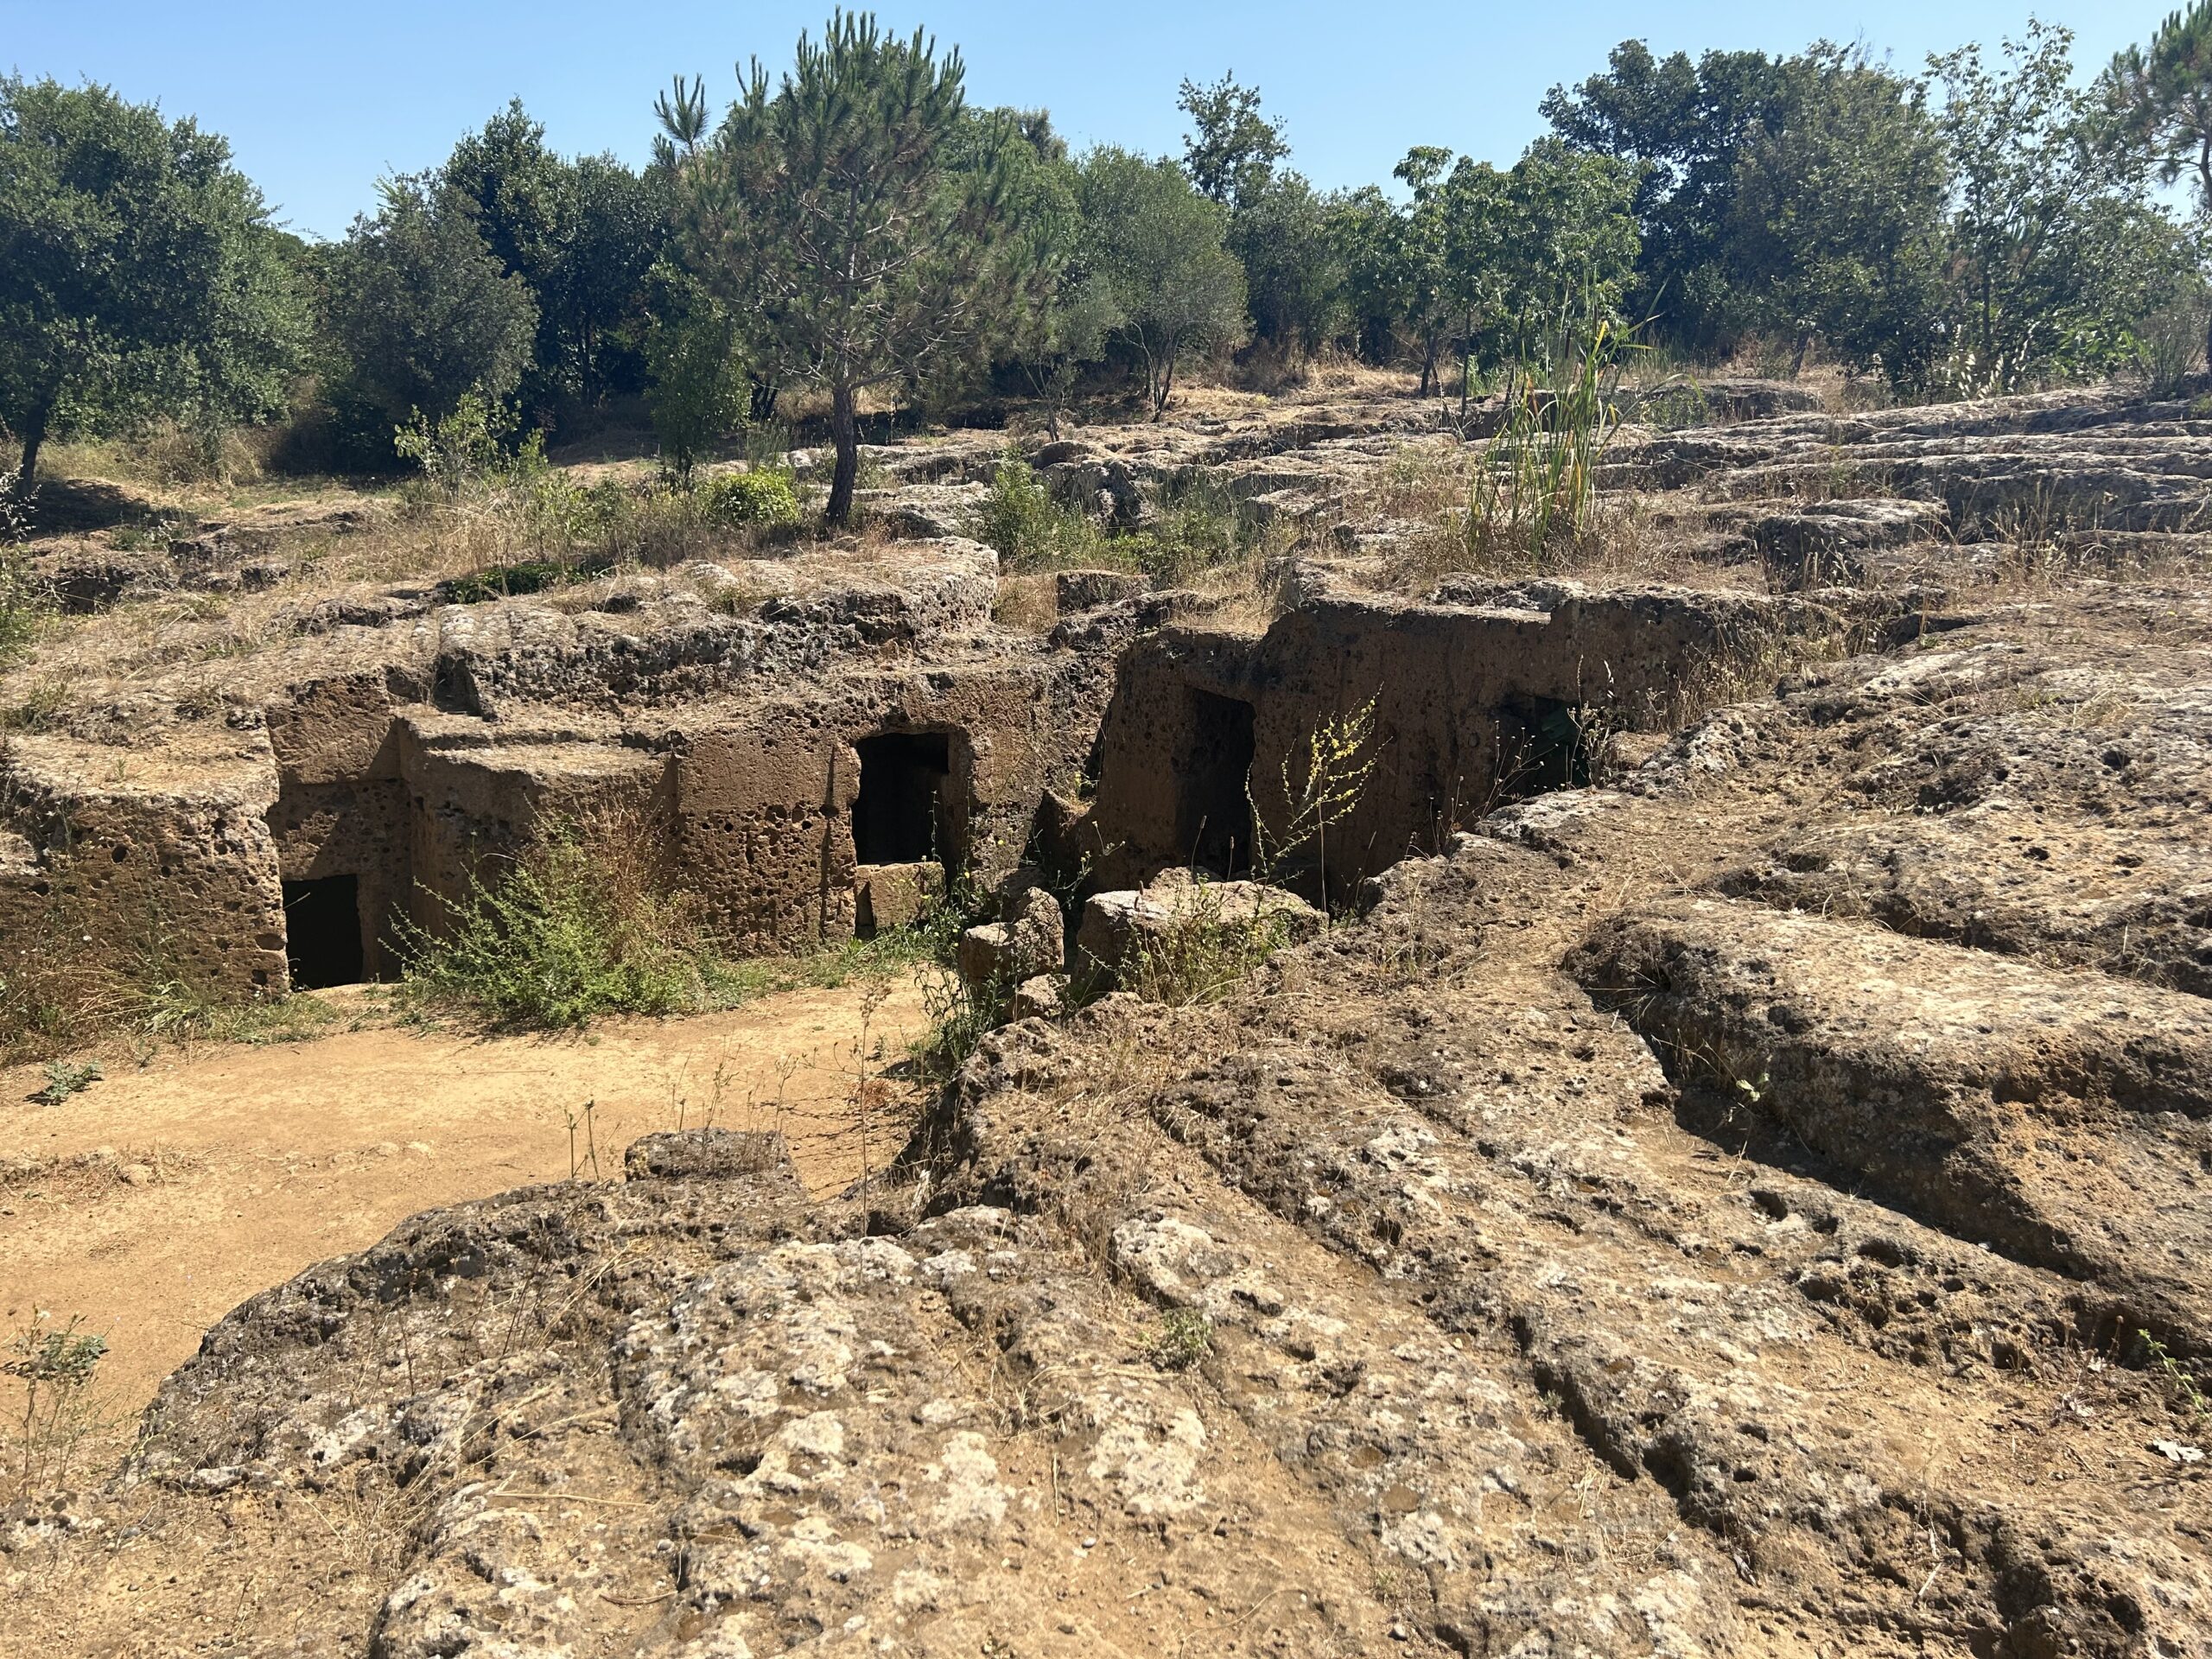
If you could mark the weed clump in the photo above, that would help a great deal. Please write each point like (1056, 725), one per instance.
(1188, 528)
(584, 923)
(55, 1368)
(1184, 1338)
(1535, 489)
(67, 1077)
(562, 937)
(25, 605)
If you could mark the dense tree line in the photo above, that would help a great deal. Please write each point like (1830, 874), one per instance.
(854, 226)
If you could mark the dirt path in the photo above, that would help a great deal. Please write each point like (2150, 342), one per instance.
(157, 1200)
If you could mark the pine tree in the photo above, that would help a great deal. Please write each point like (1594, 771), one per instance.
(831, 220)
(2160, 98)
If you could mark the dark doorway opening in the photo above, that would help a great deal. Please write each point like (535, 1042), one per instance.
(322, 932)
(1542, 745)
(1213, 810)
(901, 816)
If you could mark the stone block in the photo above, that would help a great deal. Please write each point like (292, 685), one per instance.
(1040, 997)
(896, 895)
(986, 956)
(1115, 925)
(1086, 590)
(1038, 936)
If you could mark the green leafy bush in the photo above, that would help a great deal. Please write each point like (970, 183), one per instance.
(1184, 1337)
(457, 450)
(766, 498)
(1191, 528)
(566, 935)
(586, 923)
(25, 605)
(1031, 530)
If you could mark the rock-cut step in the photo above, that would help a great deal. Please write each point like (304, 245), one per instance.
(2063, 1118)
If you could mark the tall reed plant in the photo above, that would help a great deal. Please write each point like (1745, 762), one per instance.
(1535, 490)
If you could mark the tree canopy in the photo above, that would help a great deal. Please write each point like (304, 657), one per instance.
(851, 225)
(420, 311)
(1159, 245)
(2052, 253)
(581, 234)
(139, 273)
(830, 218)
(2158, 99)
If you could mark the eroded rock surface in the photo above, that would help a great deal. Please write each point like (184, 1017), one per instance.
(1744, 1190)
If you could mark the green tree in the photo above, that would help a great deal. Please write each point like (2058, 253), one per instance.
(698, 388)
(2159, 99)
(582, 234)
(2053, 252)
(1232, 155)
(1293, 274)
(1837, 222)
(1159, 245)
(1685, 124)
(421, 312)
(1050, 342)
(1280, 227)
(1424, 283)
(139, 274)
(1566, 250)
(1367, 231)
(829, 218)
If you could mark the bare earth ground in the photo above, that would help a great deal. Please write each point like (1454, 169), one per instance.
(155, 1201)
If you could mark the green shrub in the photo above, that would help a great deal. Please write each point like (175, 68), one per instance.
(585, 923)
(458, 450)
(1206, 955)
(1195, 527)
(25, 603)
(1030, 530)
(567, 934)
(766, 498)
(1192, 527)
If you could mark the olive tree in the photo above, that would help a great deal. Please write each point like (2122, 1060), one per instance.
(139, 274)
(1157, 245)
(830, 218)
(421, 311)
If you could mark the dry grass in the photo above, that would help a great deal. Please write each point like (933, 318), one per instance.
(1029, 603)
(1421, 497)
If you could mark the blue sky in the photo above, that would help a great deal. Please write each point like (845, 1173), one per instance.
(318, 100)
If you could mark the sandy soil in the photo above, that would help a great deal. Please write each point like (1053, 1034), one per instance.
(158, 1199)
